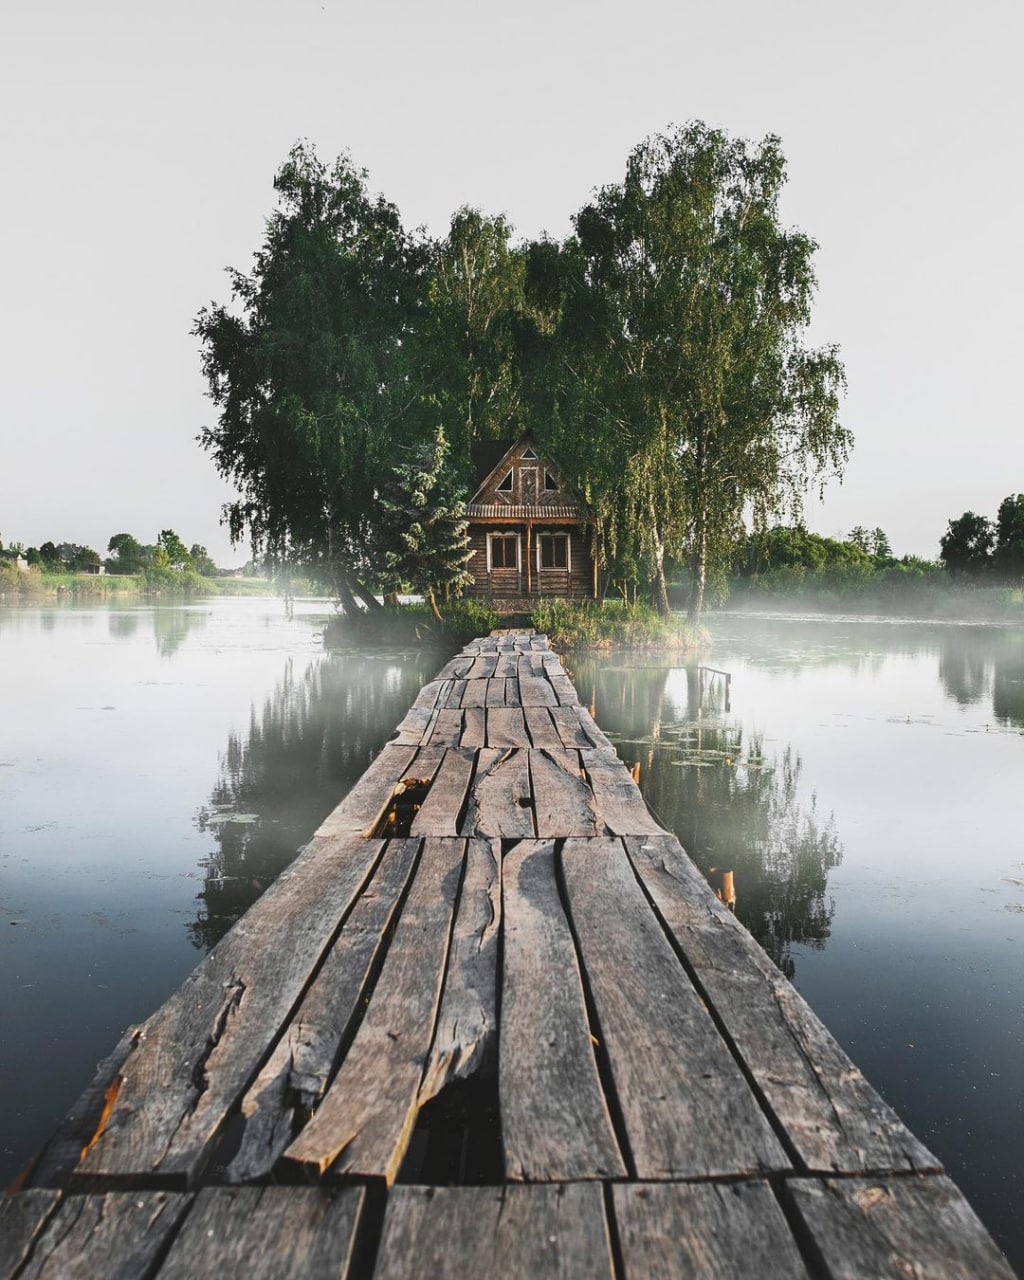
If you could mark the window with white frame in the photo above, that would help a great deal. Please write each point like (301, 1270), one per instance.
(553, 551)
(502, 551)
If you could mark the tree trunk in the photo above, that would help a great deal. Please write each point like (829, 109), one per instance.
(345, 597)
(433, 604)
(698, 577)
(367, 597)
(660, 585)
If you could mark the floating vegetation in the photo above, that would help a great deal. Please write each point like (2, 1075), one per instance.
(216, 819)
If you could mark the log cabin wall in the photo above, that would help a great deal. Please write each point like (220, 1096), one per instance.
(530, 535)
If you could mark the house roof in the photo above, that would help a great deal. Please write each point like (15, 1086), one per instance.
(488, 458)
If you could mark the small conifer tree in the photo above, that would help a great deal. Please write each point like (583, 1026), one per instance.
(423, 529)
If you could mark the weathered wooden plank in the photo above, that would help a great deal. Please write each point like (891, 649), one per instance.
(506, 727)
(195, 1057)
(482, 667)
(688, 1109)
(542, 731)
(554, 1116)
(413, 725)
(364, 1122)
(295, 1077)
(264, 1233)
(439, 813)
(22, 1219)
(834, 1119)
(570, 728)
(500, 799)
(59, 1158)
(565, 690)
(475, 692)
(362, 808)
(512, 698)
(494, 692)
(457, 667)
(536, 691)
(455, 694)
(538, 640)
(594, 732)
(465, 1040)
(433, 694)
(515, 1233)
(893, 1228)
(532, 664)
(446, 731)
(474, 728)
(118, 1236)
(563, 802)
(689, 1231)
(508, 664)
(619, 802)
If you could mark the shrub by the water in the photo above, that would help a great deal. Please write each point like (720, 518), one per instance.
(596, 624)
(413, 624)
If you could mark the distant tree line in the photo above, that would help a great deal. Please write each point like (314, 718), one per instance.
(125, 555)
(975, 547)
(657, 350)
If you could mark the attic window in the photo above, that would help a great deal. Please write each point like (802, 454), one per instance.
(529, 453)
(506, 484)
(550, 483)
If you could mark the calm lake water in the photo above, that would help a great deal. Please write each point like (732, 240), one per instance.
(863, 781)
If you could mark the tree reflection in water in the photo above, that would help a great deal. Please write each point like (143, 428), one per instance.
(303, 750)
(977, 663)
(731, 806)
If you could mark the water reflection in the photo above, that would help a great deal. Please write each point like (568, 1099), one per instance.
(734, 806)
(173, 625)
(122, 624)
(975, 665)
(303, 750)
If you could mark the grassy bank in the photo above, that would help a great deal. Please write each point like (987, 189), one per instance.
(608, 624)
(569, 626)
(18, 585)
(412, 624)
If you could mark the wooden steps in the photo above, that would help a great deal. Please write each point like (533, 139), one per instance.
(492, 910)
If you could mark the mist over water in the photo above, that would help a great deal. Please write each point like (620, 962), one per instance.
(159, 766)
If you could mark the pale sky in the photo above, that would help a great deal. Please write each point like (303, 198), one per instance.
(139, 143)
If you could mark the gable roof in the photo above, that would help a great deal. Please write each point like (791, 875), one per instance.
(492, 459)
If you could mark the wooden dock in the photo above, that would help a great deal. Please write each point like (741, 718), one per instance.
(491, 1021)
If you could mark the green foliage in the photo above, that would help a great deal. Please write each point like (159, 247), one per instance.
(412, 624)
(595, 624)
(423, 535)
(966, 546)
(474, 330)
(174, 549)
(679, 305)
(201, 561)
(125, 554)
(793, 546)
(162, 578)
(1008, 559)
(314, 371)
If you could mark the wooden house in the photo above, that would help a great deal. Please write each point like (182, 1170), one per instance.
(531, 536)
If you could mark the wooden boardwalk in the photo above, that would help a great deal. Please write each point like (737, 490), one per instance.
(491, 1021)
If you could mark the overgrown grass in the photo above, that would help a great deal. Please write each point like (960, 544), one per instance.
(413, 624)
(595, 624)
